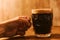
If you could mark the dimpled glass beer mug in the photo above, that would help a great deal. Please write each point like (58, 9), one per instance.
(42, 22)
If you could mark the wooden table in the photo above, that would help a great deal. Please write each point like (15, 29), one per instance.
(55, 35)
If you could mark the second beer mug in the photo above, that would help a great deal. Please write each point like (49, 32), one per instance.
(42, 22)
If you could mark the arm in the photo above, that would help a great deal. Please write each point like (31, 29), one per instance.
(14, 26)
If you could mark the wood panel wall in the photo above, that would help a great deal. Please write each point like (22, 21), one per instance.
(55, 5)
(13, 8)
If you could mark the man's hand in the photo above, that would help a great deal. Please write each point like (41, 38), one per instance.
(15, 26)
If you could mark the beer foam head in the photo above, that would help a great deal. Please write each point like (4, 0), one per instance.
(43, 10)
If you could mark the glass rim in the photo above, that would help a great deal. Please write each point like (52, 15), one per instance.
(43, 10)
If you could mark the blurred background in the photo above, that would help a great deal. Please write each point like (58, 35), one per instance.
(12, 8)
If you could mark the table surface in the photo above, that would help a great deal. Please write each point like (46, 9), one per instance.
(28, 36)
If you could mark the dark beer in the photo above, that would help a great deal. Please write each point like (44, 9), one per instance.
(42, 22)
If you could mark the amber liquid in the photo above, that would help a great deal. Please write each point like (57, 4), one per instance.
(42, 23)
